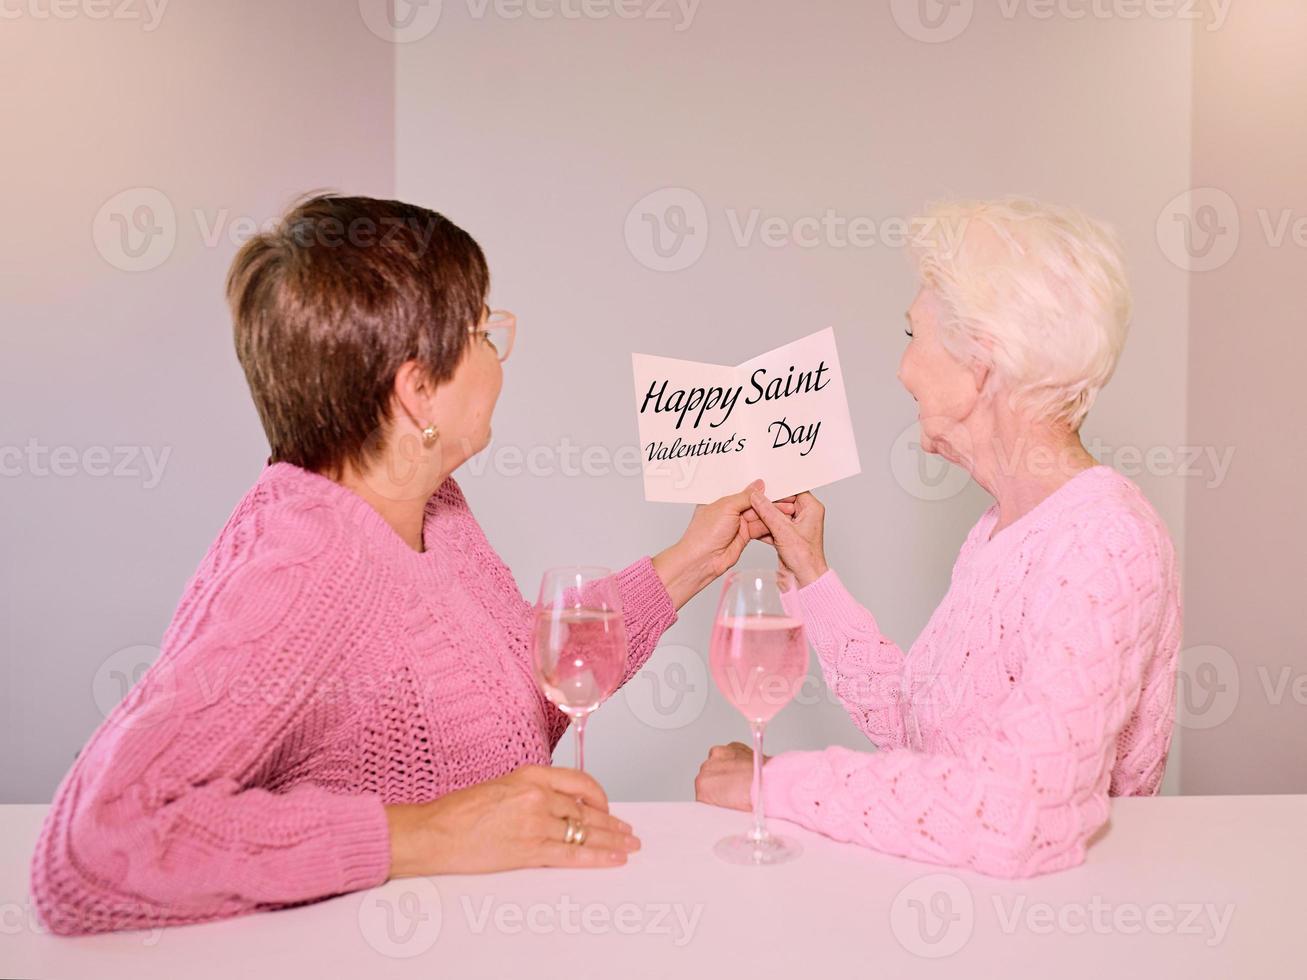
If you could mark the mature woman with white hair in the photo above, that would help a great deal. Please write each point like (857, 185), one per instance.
(1044, 681)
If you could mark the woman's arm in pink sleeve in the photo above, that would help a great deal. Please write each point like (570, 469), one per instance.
(647, 612)
(162, 819)
(1026, 799)
(862, 666)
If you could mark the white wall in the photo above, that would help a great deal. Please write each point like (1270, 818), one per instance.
(540, 134)
(215, 116)
(1246, 670)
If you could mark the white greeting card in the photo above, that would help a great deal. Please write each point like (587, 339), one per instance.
(707, 430)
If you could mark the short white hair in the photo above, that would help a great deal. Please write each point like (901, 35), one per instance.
(1043, 301)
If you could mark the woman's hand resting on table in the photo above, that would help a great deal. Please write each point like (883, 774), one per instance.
(726, 777)
(797, 533)
(516, 821)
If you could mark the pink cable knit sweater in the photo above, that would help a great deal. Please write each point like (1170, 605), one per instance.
(316, 669)
(1043, 683)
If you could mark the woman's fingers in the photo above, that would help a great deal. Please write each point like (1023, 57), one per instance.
(596, 818)
(563, 808)
(805, 504)
(784, 506)
(572, 783)
(556, 854)
(777, 522)
(595, 833)
(738, 503)
(597, 838)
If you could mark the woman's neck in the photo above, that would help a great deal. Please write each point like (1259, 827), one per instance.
(1021, 468)
(401, 503)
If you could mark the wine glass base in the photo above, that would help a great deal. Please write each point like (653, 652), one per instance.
(747, 849)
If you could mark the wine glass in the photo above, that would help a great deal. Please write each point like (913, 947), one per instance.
(578, 648)
(759, 658)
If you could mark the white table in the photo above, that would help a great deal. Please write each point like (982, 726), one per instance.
(1183, 887)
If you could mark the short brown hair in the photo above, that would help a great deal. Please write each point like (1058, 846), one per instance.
(329, 304)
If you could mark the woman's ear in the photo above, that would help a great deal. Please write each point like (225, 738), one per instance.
(980, 374)
(414, 391)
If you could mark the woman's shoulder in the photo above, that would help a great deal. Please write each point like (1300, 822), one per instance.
(291, 523)
(1113, 511)
(290, 515)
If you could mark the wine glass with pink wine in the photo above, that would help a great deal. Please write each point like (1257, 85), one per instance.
(759, 658)
(578, 648)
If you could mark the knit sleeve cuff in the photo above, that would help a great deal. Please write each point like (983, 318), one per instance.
(645, 600)
(783, 775)
(647, 610)
(361, 840)
(830, 611)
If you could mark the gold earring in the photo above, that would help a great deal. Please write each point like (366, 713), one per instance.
(429, 434)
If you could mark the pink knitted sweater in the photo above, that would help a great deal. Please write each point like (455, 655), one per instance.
(1043, 684)
(316, 668)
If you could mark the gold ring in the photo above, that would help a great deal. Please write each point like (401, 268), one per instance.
(576, 831)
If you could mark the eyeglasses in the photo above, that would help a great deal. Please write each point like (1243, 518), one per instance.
(499, 330)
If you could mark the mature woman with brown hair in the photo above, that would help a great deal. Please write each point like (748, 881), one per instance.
(344, 693)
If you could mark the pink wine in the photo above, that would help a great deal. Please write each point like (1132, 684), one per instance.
(759, 662)
(580, 655)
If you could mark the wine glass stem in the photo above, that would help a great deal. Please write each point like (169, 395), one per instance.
(579, 725)
(759, 821)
